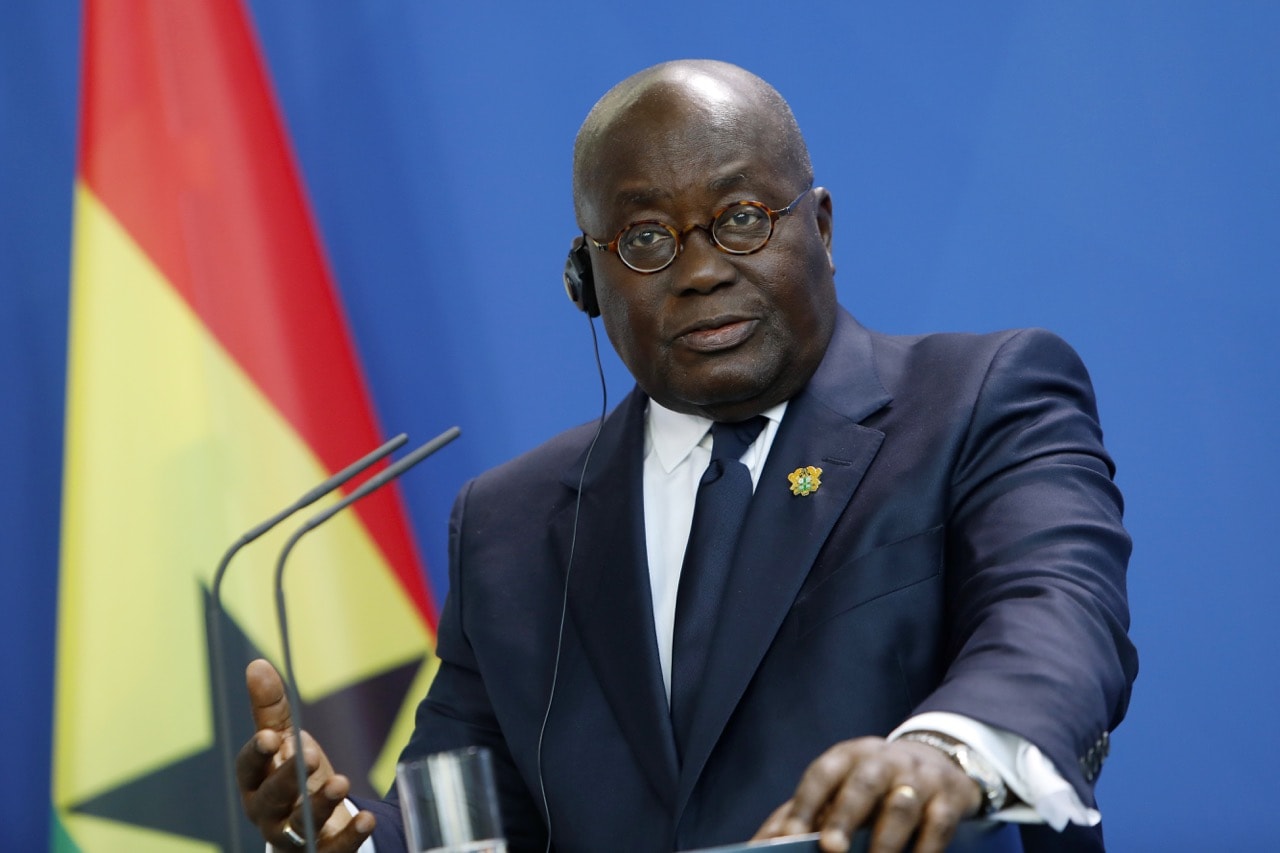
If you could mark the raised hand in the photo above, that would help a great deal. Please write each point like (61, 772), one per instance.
(268, 781)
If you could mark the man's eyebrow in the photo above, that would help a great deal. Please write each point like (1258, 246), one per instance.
(728, 182)
(641, 198)
(650, 196)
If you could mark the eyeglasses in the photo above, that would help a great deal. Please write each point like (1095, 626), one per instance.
(740, 228)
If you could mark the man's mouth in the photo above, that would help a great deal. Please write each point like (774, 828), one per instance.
(717, 334)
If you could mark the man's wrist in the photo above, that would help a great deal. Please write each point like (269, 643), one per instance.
(990, 783)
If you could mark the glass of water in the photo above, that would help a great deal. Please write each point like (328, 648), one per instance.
(450, 804)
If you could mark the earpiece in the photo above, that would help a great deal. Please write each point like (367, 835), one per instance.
(578, 283)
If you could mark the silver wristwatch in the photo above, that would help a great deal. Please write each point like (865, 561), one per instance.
(994, 791)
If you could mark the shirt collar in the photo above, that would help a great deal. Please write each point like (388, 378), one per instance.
(674, 435)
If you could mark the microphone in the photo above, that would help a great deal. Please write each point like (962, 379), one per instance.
(291, 684)
(222, 713)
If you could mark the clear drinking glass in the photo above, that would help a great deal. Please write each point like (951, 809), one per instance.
(450, 804)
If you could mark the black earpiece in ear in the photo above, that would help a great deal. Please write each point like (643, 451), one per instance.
(578, 283)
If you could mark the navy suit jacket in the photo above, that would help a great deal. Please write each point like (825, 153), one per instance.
(964, 553)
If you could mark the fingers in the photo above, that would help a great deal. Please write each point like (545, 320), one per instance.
(349, 838)
(941, 820)
(947, 794)
(270, 792)
(324, 802)
(255, 760)
(341, 831)
(267, 697)
(854, 795)
(899, 815)
(831, 782)
(903, 791)
(338, 830)
(271, 796)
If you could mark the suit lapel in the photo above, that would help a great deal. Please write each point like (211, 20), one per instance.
(609, 591)
(784, 532)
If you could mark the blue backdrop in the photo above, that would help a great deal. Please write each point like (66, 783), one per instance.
(1109, 171)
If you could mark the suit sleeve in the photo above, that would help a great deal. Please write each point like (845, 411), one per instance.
(457, 713)
(1036, 559)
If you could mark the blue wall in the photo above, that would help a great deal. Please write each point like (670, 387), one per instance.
(1109, 171)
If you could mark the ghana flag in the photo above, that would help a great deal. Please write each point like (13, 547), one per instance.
(211, 381)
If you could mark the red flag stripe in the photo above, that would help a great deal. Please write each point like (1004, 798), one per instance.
(203, 179)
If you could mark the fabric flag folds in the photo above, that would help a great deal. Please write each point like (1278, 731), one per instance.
(211, 381)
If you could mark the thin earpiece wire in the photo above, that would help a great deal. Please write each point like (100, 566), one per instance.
(564, 603)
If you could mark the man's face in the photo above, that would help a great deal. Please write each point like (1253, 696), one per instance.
(724, 336)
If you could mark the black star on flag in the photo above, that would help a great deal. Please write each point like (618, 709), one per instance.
(189, 798)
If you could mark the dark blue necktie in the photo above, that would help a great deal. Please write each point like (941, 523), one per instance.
(718, 512)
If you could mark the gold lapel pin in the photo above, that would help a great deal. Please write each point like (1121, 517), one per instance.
(805, 481)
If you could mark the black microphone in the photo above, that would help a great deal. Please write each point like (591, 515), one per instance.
(291, 684)
(222, 712)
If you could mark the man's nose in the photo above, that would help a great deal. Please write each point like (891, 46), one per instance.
(702, 266)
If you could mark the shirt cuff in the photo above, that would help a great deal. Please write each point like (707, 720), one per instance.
(1048, 798)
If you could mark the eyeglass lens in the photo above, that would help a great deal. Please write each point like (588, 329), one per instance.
(740, 228)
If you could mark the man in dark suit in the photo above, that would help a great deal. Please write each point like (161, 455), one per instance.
(924, 618)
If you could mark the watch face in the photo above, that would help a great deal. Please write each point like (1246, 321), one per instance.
(994, 792)
(973, 765)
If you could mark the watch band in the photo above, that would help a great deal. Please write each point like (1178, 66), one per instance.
(994, 791)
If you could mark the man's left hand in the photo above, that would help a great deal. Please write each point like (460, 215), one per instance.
(900, 789)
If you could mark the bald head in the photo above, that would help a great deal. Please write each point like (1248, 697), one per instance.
(702, 90)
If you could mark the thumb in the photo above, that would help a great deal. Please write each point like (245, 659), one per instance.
(267, 698)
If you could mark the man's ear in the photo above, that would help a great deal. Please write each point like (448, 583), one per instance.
(823, 213)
